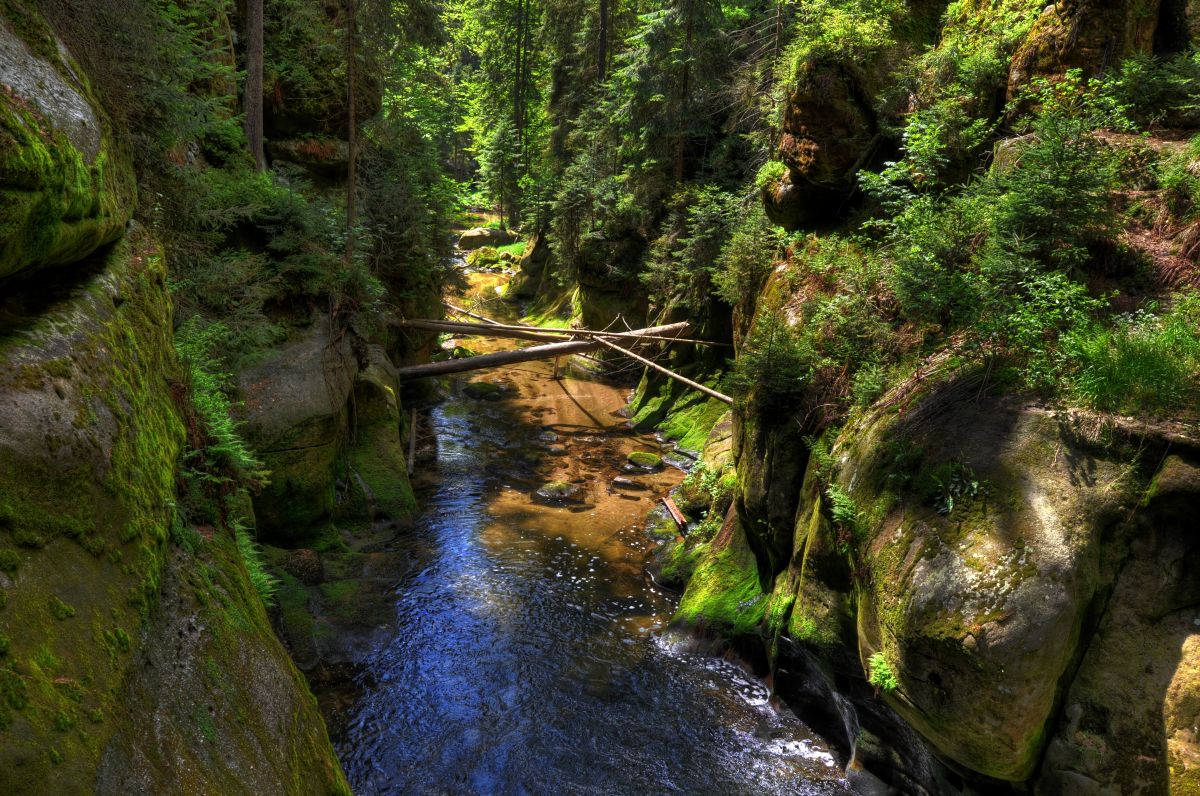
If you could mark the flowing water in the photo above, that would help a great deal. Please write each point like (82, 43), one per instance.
(529, 653)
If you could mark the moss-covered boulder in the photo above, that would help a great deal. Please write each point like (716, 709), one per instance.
(530, 278)
(89, 437)
(216, 705)
(977, 529)
(66, 186)
(646, 460)
(378, 488)
(295, 405)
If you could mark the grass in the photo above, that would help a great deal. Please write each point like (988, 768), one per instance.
(1145, 362)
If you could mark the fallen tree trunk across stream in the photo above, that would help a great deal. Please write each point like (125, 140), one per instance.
(548, 351)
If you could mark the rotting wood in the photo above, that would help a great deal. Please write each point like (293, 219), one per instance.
(666, 371)
(548, 351)
(676, 514)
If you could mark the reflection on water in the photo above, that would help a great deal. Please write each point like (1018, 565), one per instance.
(528, 654)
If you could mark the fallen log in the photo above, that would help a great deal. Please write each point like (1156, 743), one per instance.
(483, 330)
(676, 514)
(548, 351)
(672, 374)
(497, 329)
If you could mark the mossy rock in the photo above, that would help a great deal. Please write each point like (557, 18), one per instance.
(294, 404)
(646, 460)
(67, 187)
(556, 492)
(723, 594)
(89, 441)
(483, 258)
(215, 704)
(978, 609)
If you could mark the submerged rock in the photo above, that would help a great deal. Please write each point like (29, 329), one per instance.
(483, 391)
(622, 482)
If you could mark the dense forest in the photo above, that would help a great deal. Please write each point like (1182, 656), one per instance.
(943, 257)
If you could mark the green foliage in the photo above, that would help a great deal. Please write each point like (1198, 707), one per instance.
(1179, 178)
(753, 246)
(770, 174)
(264, 583)
(682, 263)
(1151, 90)
(881, 675)
(1145, 362)
(218, 453)
(844, 510)
(483, 257)
(60, 610)
(945, 485)
(775, 365)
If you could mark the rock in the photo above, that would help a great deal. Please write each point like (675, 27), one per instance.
(978, 609)
(304, 565)
(1138, 687)
(483, 391)
(646, 460)
(1084, 34)
(294, 406)
(557, 450)
(547, 436)
(556, 492)
(485, 257)
(68, 187)
(508, 257)
(89, 439)
(534, 262)
(485, 236)
(622, 482)
(325, 157)
(461, 352)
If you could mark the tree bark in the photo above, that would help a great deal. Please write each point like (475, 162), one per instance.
(351, 133)
(602, 44)
(252, 91)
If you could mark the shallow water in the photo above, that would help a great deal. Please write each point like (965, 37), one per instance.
(529, 654)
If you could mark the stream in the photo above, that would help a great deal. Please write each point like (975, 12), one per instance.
(530, 653)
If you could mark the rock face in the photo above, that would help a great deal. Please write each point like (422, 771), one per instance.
(299, 407)
(67, 186)
(126, 654)
(1031, 590)
(89, 436)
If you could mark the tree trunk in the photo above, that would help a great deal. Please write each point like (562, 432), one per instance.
(252, 99)
(351, 133)
(681, 134)
(602, 44)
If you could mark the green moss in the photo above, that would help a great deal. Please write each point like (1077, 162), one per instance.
(684, 416)
(724, 593)
(9, 560)
(60, 610)
(645, 460)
